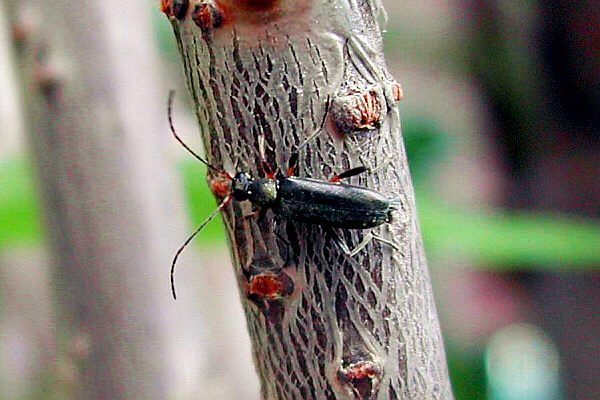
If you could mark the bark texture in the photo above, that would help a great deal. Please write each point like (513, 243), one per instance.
(337, 327)
(76, 65)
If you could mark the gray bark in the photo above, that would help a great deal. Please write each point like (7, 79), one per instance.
(272, 72)
(94, 122)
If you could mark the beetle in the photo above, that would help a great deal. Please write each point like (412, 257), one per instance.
(329, 204)
(315, 202)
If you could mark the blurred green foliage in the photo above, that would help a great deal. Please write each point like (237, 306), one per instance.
(510, 240)
(164, 36)
(19, 215)
(467, 373)
(201, 202)
(426, 145)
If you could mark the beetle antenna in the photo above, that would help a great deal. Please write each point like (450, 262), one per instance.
(189, 239)
(267, 170)
(170, 109)
(318, 131)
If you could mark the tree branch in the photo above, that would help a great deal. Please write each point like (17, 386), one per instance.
(323, 324)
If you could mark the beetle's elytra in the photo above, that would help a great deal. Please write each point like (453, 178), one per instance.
(336, 205)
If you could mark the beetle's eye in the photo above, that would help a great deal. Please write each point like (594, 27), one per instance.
(240, 186)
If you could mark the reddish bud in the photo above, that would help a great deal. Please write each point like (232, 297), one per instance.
(265, 286)
(356, 112)
(220, 185)
(362, 376)
(207, 16)
(179, 8)
(165, 7)
(175, 8)
(397, 91)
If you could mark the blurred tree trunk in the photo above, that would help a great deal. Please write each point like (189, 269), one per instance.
(334, 326)
(93, 121)
(539, 66)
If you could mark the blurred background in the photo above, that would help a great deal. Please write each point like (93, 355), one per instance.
(501, 123)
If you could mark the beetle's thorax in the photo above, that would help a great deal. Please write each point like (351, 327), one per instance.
(262, 192)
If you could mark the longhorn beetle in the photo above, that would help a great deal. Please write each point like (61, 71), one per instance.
(329, 204)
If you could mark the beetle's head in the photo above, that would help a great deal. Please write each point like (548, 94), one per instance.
(241, 186)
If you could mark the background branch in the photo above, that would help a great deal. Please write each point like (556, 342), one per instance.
(94, 136)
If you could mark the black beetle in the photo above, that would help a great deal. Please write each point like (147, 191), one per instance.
(306, 200)
(316, 202)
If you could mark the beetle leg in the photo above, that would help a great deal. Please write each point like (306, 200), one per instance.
(384, 164)
(388, 242)
(293, 164)
(338, 240)
(349, 173)
(344, 247)
(360, 246)
(318, 131)
(262, 213)
(361, 55)
(252, 214)
(366, 239)
(310, 138)
(268, 171)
